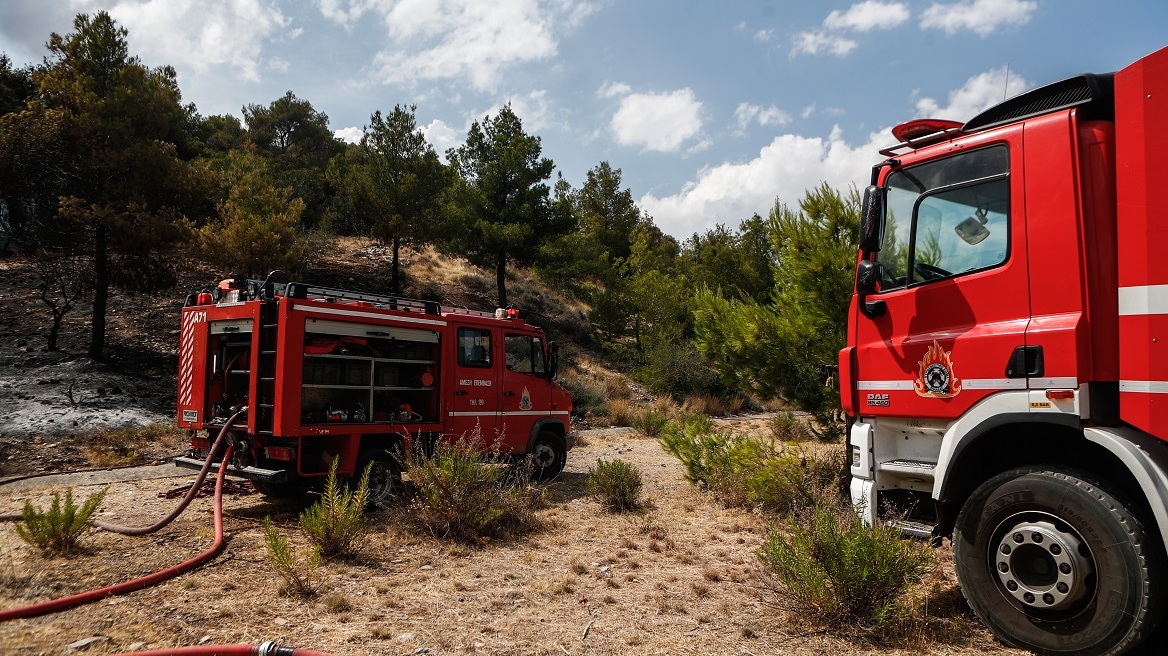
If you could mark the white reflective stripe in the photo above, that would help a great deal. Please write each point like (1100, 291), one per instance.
(1044, 383)
(884, 385)
(993, 383)
(1144, 386)
(371, 315)
(1143, 300)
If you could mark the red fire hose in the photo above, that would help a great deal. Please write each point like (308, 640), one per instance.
(63, 603)
(264, 649)
(190, 495)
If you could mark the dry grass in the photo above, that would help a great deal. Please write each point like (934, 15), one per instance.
(679, 578)
(132, 444)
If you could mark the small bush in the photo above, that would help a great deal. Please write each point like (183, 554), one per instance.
(587, 396)
(787, 427)
(824, 563)
(621, 412)
(298, 574)
(57, 530)
(742, 471)
(650, 421)
(616, 483)
(336, 522)
(462, 497)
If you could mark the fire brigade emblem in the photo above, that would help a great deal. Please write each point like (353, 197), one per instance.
(936, 378)
(525, 400)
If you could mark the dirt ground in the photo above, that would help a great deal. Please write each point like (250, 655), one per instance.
(591, 582)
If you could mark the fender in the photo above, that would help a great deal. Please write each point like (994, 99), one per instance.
(551, 424)
(1146, 457)
(992, 412)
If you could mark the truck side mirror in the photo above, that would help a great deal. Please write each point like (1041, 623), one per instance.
(867, 277)
(553, 361)
(871, 213)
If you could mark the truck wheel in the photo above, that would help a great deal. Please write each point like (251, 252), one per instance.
(547, 457)
(1052, 562)
(385, 477)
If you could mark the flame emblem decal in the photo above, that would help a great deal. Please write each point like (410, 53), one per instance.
(935, 377)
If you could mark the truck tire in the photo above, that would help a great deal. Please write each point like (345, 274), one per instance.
(1054, 563)
(385, 476)
(548, 455)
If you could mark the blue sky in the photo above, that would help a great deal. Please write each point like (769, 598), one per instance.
(711, 110)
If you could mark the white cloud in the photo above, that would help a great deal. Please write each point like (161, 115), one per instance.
(613, 89)
(784, 169)
(762, 36)
(980, 16)
(860, 17)
(814, 43)
(657, 121)
(441, 136)
(730, 192)
(200, 35)
(807, 111)
(461, 39)
(764, 116)
(979, 92)
(867, 16)
(349, 135)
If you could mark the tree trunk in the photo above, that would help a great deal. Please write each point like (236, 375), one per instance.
(501, 280)
(394, 284)
(100, 294)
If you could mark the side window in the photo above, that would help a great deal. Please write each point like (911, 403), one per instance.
(960, 231)
(474, 347)
(946, 218)
(525, 354)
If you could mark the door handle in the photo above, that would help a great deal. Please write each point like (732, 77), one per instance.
(508, 393)
(1026, 362)
(460, 393)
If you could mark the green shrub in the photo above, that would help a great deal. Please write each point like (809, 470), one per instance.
(57, 530)
(336, 522)
(298, 574)
(743, 471)
(586, 395)
(824, 563)
(650, 421)
(787, 427)
(616, 483)
(462, 497)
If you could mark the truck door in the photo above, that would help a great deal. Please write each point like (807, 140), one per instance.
(954, 300)
(476, 384)
(526, 393)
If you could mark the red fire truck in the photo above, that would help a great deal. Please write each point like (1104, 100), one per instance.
(335, 375)
(1004, 374)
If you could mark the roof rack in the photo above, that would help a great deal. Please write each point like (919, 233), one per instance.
(333, 294)
(255, 288)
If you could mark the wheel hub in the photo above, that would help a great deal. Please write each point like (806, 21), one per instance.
(1040, 565)
(544, 455)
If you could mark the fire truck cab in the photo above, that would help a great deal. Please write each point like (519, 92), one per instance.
(330, 375)
(1006, 373)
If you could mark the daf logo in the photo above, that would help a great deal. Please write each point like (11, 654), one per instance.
(880, 400)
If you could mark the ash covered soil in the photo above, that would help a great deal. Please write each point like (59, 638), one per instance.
(55, 403)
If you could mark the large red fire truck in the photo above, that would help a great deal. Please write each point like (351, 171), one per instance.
(1006, 370)
(361, 379)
